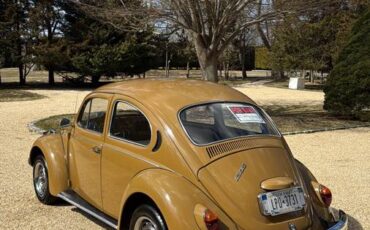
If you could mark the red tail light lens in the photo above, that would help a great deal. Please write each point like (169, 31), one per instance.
(211, 220)
(325, 194)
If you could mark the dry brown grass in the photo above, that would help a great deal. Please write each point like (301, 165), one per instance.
(18, 95)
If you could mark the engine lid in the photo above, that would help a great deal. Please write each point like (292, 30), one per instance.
(236, 180)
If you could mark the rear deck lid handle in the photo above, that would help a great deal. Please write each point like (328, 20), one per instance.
(277, 183)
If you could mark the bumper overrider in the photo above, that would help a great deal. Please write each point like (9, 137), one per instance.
(342, 223)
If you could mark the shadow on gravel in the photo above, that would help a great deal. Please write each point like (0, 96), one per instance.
(353, 224)
(62, 203)
(96, 221)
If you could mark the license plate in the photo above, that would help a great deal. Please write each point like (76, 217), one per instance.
(282, 201)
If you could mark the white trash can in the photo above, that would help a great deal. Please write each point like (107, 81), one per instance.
(296, 83)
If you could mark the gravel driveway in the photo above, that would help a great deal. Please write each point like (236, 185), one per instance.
(340, 160)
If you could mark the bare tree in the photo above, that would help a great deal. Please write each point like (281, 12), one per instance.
(213, 25)
(210, 24)
(245, 39)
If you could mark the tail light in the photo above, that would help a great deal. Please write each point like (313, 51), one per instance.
(211, 220)
(205, 218)
(325, 194)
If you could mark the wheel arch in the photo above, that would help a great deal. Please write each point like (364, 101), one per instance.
(35, 151)
(51, 148)
(134, 201)
(172, 194)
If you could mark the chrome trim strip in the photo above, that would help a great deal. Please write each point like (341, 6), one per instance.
(88, 211)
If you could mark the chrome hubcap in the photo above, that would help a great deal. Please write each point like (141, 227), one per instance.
(40, 179)
(144, 223)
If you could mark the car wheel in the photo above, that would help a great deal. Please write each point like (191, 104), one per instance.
(146, 217)
(41, 181)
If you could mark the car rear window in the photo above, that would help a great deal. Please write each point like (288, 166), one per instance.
(208, 123)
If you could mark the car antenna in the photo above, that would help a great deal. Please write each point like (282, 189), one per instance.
(75, 111)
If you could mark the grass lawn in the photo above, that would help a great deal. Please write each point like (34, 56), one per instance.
(10, 75)
(52, 122)
(18, 95)
(284, 84)
(300, 118)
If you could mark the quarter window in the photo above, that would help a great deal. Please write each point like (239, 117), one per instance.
(130, 124)
(93, 114)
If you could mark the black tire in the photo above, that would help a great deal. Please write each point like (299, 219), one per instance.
(149, 214)
(41, 181)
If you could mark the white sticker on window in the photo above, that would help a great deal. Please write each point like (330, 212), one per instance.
(245, 114)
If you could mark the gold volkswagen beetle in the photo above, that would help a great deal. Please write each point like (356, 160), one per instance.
(178, 154)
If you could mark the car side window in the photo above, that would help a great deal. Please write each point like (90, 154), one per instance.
(130, 124)
(93, 114)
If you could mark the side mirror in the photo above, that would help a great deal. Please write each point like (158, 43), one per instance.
(64, 123)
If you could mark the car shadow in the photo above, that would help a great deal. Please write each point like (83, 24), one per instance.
(91, 218)
(62, 203)
(353, 223)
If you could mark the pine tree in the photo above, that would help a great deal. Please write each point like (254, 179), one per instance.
(45, 20)
(15, 34)
(347, 91)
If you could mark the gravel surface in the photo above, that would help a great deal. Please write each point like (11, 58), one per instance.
(340, 160)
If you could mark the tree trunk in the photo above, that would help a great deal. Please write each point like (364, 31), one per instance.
(226, 71)
(220, 72)
(22, 80)
(277, 74)
(242, 62)
(207, 60)
(50, 41)
(51, 76)
(209, 68)
(312, 76)
(242, 56)
(188, 69)
(95, 80)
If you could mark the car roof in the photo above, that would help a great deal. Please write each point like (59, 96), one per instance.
(169, 95)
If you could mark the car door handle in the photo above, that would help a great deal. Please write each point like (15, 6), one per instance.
(97, 149)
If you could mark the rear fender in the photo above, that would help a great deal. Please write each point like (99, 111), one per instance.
(310, 181)
(175, 196)
(51, 147)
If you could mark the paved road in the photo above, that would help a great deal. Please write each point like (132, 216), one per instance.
(339, 159)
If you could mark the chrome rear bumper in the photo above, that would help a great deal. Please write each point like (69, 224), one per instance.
(342, 223)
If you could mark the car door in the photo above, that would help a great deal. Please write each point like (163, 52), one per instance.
(86, 148)
(130, 140)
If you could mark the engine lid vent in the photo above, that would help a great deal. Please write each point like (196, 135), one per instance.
(229, 147)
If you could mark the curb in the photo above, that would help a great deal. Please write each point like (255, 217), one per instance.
(323, 130)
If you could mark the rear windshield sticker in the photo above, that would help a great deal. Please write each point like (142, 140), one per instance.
(245, 114)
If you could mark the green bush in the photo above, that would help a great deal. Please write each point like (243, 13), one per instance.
(262, 58)
(347, 91)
